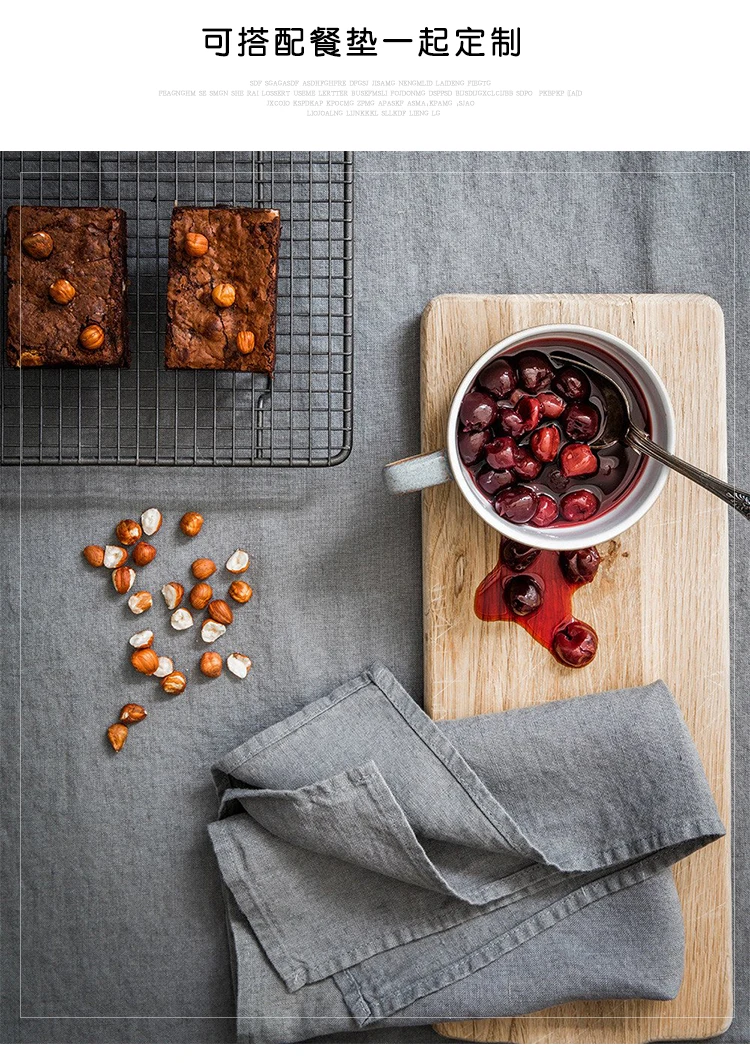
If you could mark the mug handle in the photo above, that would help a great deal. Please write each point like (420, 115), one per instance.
(414, 474)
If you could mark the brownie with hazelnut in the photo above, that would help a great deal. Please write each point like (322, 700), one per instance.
(67, 275)
(221, 292)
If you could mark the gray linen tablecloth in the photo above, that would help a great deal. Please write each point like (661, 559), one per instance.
(385, 869)
(113, 919)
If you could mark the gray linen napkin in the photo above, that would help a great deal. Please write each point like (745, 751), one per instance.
(383, 869)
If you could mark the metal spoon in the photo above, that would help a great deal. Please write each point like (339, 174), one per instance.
(619, 428)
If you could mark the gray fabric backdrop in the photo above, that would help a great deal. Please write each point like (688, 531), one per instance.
(114, 929)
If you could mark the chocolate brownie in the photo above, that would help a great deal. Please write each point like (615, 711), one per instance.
(67, 273)
(221, 294)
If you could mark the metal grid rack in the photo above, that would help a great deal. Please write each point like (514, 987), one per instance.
(147, 415)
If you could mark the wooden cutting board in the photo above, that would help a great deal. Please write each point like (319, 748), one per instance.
(660, 605)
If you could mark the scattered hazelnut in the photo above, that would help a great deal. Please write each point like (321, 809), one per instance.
(29, 358)
(239, 665)
(94, 555)
(172, 593)
(211, 664)
(151, 521)
(223, 294)
(191, 524)
(174, 683)
(143, 554)
(201, 595)
(142, 638)
(132, 713)
(140, 602)
(203, 568)
(221, 612)
(123, 579)
(114, 556)
(238, 562)
(211, 630)
(38, 245)
(181, 619)
(240, 592)
(246, 341)
(166, 665)
(62, 292)
(144, 660)
(196, 245)
(117, 734)
(128, 532)
(92, 337)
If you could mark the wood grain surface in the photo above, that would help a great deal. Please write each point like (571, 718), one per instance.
(660, 605)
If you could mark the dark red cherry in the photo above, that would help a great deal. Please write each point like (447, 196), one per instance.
(575, 644)
(534, 371)
(545, 442)
(501, 453)
(493, 480)
(471, 445)
(581, 421)
(517, 556)
(477, 411)
(552, 405)
(511, 421)
(578, 459)
(580, 566)
(523, 595)
(499, 378)
(572, 383)
(547, 512)
(529, 410)
(517, 504)
(526, 466)
(579, 506)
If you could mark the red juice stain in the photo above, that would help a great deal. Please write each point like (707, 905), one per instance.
(558, 576)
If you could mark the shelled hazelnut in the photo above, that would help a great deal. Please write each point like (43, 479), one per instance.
(142, 638)
(117, 735)
(211, 630)
(144, 660)
(246, 341)
(221, 612)
(191, 524)
(114, 556)
(196, 245)
(166, 665)
(172, 593)
(91, 338)
(174, 683)
(223, 295)
(140, 602)
(202, 568)
(94, 555)
(128, 532)
(132, 713)
(239, 562)
(239, 665)
(151, 520)
(38, 245)
(211, 664)
(240, 592)
(201, 595)
(181, 619)
(62, 292)
(143, 554)
(123, 579)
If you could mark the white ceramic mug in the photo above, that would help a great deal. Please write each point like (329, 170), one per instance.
(615, 357)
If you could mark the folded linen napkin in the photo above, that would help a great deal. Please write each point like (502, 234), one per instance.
(382, 869)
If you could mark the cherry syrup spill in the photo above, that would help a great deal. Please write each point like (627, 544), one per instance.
(535, 588)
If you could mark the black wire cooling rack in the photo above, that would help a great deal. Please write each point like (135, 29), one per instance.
(147, 415)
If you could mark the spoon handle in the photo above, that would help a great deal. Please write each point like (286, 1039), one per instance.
(733, 496)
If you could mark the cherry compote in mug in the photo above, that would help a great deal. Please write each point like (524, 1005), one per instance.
(525, 434)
